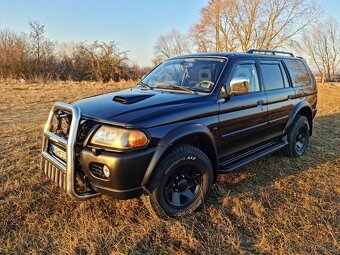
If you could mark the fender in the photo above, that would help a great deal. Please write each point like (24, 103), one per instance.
(301, 105)
(171, 138)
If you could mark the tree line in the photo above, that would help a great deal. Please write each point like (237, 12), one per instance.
(239, 25)
(223, 26)
(32, 56)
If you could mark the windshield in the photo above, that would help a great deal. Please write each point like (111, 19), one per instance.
(190, 74)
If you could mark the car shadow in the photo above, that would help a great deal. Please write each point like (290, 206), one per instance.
(324, 146)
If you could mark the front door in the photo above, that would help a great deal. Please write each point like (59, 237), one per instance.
(243, 117)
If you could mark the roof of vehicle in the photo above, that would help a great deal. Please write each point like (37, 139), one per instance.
(240, 54)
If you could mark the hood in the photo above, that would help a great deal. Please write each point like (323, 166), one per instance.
(143, 108)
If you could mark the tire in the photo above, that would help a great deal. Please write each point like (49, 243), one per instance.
(180, 182)
(298, 138)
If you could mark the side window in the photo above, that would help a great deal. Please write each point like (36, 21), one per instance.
(272, 76)
(298, 72)
(248, 71)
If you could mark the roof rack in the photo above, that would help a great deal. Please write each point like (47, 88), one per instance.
(273, 52)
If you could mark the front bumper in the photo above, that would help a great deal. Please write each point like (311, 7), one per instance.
(127, 170)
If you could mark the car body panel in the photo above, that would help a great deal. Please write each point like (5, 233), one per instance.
(161, 108)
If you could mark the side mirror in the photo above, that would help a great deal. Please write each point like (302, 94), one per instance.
(239, 86)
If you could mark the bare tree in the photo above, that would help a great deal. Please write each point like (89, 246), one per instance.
(64, 67)
(322, 45)
(37, 37)
(42, 50)
(229, 25)
(34, 57)
(171, 44)
(98, 61)
(213, 31)
(14, 57)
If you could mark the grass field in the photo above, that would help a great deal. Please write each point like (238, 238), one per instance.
(276, 205)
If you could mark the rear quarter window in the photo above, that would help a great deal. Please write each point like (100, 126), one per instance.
(298, 72)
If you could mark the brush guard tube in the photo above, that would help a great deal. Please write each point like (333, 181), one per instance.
(63, 174)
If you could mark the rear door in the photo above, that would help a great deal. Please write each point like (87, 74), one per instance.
(243, 118)
(280, 95)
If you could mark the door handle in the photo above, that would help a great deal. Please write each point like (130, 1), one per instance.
(260, 103)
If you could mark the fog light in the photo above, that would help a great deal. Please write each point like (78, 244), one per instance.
(55, 123)
(106, 171)
(65, 125)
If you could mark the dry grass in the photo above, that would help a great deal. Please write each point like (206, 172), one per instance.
(274, 206)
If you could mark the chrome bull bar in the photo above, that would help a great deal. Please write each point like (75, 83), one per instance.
(63, 174)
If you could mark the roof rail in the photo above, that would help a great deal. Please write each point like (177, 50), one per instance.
(273, 52)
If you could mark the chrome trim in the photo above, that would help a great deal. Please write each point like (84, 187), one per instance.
(54, 173)
(54, 161)
(69, 168)
(56, 138)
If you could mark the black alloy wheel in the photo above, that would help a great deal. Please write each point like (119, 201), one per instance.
(183, 186)
(298, 137)
(301, 138)
(180, 183)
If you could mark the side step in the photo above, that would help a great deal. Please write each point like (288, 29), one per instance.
(246, 158)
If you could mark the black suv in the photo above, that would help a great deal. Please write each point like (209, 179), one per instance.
(191, 118)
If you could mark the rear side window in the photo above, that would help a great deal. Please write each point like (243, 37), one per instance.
(298, 72)
(272, 76)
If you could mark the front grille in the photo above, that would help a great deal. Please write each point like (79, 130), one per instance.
(84, 129)
(54, 173)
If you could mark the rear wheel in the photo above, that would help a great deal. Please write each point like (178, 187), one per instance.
(180, 183)
(298, 138)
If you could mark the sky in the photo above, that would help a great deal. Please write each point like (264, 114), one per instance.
(134, 24)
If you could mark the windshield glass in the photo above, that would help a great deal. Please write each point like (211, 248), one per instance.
(190, 74)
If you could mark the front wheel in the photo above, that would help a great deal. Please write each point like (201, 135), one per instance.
(180, 183)
(298, 138)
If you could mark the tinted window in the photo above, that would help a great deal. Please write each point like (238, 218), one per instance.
(272, 76)
(249, 72)
(298, 72)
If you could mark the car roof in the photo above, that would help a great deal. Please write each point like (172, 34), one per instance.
(232, 55)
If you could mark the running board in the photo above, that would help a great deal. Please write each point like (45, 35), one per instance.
(246, 158)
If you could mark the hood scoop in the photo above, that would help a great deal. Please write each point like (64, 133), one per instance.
(131, 98)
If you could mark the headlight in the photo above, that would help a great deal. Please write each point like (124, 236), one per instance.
(119, 138)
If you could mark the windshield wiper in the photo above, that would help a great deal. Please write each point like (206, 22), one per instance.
(176, 87)
(144, 85)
